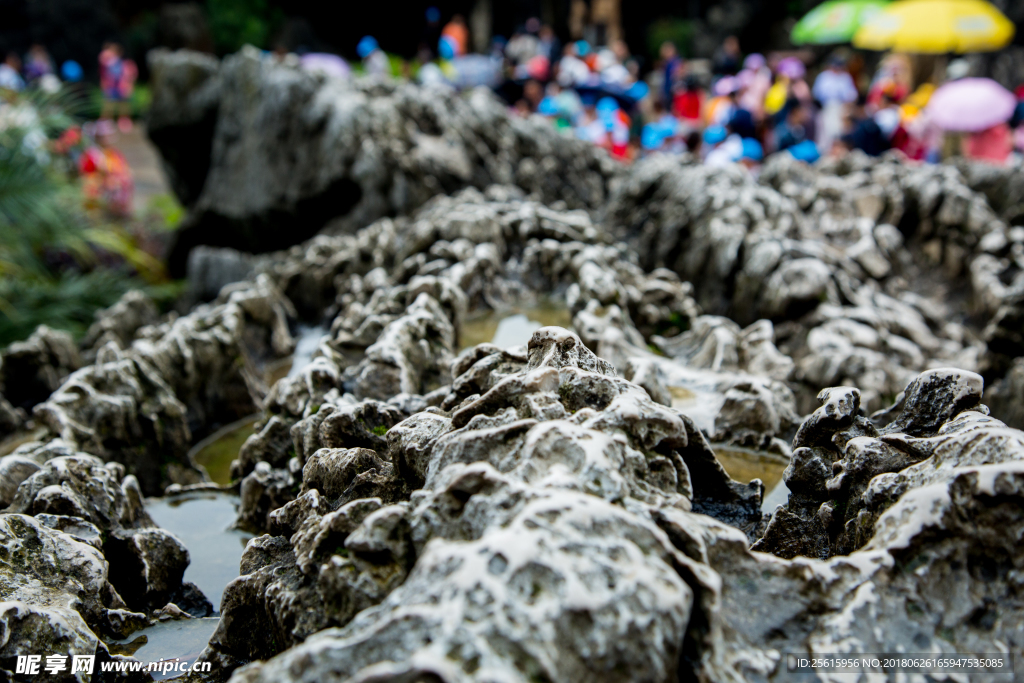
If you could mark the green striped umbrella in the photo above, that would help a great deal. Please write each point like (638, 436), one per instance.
(834, 21)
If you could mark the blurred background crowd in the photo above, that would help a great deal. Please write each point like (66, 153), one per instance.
(731, 81)
(84, 210)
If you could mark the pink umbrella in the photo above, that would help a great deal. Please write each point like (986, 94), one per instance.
(971, 104)
(726, 85)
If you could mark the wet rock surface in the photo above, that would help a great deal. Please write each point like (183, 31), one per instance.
(554, 509)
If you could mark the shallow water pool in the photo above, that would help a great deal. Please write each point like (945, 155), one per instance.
(203, 521)
(512, 326)
(216, 451)
(182, 640)
(745, 464)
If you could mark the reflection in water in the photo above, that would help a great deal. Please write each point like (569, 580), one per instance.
(513, 326)
(180, 640)
(744, 464)
(203, 520)
(216, 451)
(696, 401)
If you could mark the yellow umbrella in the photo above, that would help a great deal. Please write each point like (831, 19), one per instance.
(936, 26)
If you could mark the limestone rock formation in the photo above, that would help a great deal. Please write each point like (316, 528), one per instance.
(356, 150)
(553, 507)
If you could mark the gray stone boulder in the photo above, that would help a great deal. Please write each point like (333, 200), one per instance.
(31, 370)
(357, 150)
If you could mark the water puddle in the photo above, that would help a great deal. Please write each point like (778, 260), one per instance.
(181, 640)
(745, 464)
(513, 326)
(216, 451)
(694, 393)
(307, 340)
(203, 521)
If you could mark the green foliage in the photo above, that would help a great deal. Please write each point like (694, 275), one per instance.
(166, 212)
(57, 267)
(678, 31)
(35, 212)
(66, 301)
(138, 103)
(380, 430)
(235, 23)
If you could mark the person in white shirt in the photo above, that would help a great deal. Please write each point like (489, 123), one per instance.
(834, 89)
(10, 76)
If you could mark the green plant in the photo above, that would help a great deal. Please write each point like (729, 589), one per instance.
(57, 266)
(66, 301)
(234, 23)
(166, 211)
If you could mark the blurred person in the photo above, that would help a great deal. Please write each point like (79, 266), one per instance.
(548, 44)
(862, 132)
(37, 63)
(742, 123)
(887, 113)
(720, 148)
(106, 178)
(456, 30)
(568, 102)
(375, 62)
(805, 151)
(720, 108)
(835, 84)
(588, 56)
(616, 124)
(670, 67)
(755, 80)
(621, 51)
(776, 96)
(522, 46)
(659, 130)
(792, 129)
(10, 73)
(992, 145)
(751, 156)
(571, 69)
(834, 89)
(522, 108)
(533, 93)
(1017, 121)
(924, 137)
(611, 69)
(688, 101)
(561, 106)
(447, 50)
(727, 58)
(117, 81)
(893, 76)
(590, 127)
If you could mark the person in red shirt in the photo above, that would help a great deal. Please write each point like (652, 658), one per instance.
(688, 101)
